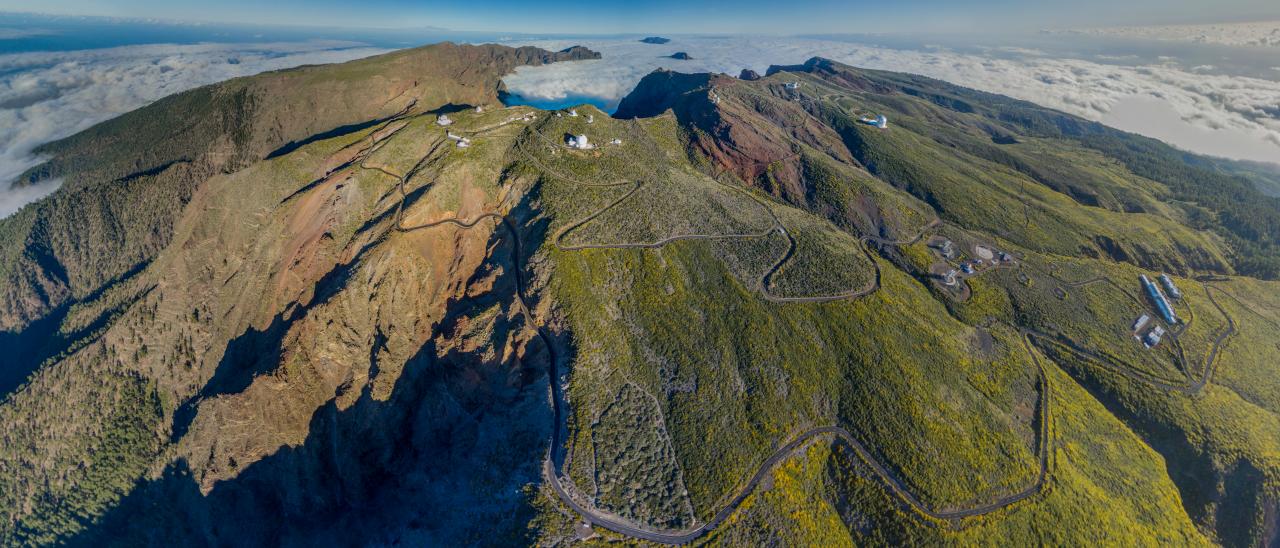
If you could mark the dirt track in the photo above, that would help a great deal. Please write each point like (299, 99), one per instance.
(882, 474)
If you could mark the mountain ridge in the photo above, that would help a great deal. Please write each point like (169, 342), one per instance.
(730, 310)
(49, 265)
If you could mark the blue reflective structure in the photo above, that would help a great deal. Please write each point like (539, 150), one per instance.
(1162, 304)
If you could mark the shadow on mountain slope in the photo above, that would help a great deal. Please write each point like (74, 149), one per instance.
(1222, 496)
(447, 459)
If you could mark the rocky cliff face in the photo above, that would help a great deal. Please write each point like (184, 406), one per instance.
(752, 135)
(308, 303)
(349, 336)
(777, 134)
(232, 257)
(127, 180)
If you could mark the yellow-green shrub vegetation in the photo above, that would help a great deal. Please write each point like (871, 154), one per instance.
(987, 302)
(825, 261)
(1224, 450)
(861, 203)
(981, 194)
(1085, 223)
(981, 125)
(675, 323)
(1221, 440)
(1090, 177)
(749, 259)
(684, 373)
(1202, 323)
(918, 257)
(1106, 486)
(677, 203)
(587, 199)
(637, 158)
(400, 153)
(797, 508)
(478, 167)
(1248, 363)
(1097, 315)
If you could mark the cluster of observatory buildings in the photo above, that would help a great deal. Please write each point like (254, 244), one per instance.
(1158, 297)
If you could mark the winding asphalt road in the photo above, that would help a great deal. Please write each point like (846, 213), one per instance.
(618, 525)
(882, 474)
(762, 285)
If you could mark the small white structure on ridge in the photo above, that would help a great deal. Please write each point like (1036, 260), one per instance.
(443, 120)
(573, 113)
(464, 143)
(590, 119)
(616, 142)
(479, 109)
(580, 142)
(792, 85)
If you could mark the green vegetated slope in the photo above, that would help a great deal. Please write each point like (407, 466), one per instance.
(998, 200)
(677, 324)
(1108, 487)
(1265, 176)
(767, 373)
(1253, 304)
(1212, 198)
(824, 260)
(1083, 219)
(348, 341)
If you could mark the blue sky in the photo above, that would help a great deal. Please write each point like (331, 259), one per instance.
(678, 16)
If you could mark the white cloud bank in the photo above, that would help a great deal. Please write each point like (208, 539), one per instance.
(45, 96)
(1228, 116)
(48, 95)
(1255, 33)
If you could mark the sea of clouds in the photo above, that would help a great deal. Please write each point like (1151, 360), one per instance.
(1228, 116)
(45, 96)
(1253, 33)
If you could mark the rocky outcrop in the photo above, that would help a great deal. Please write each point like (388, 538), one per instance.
(330, 344)
(658, 91)
(827, 69)
(655, 40)
(749, 137)
(748, 74)
(680, 55)
(311, 359)
(126, 180)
